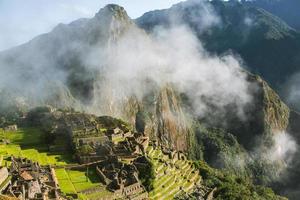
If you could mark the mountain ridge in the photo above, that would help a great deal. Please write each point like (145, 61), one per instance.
(162, 114)
(264, 42)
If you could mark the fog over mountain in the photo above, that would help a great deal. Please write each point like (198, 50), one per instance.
(268, 45)
(191, 78)
(82, 57)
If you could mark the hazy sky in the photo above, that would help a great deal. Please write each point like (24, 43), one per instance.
(21, 20)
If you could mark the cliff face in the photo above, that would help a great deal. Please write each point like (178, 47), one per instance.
(172, 125)
(276, 113)
(164, 117)
(160, 115)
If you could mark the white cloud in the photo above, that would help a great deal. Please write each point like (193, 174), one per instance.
(22, 20)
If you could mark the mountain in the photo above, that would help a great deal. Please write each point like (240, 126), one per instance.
(268, 46)
(61, 50)
(287, 10)
(81, 67)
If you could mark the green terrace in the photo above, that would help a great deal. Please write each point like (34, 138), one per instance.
(30, 143)
(171, 177)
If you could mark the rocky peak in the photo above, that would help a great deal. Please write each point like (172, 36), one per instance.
(115, 18)
(113, 11)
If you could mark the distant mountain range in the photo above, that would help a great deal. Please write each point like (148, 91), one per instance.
(267, 44)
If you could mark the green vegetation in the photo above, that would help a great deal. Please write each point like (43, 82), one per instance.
(171, 175)
(218, 148)
(29, 143)
(110, 123)
(146, 173)
(229, 186)
(42, 157)
(74, 181)
(24, 136)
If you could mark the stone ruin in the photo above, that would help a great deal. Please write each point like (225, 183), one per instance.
(125, 145)
(4, 178)
(13, 127)
(121, 179)
(29, 180)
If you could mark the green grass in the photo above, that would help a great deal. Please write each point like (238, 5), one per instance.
(24, 136)
(81, 181)
(65, 182)
(96, 195)
(29, 143)
(75, 181)
(44, 158)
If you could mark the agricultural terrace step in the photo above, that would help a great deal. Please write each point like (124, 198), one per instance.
(158, 184)
(170, 190)
(188, 172)
(175, 187)
(149, 150)
(190, 185)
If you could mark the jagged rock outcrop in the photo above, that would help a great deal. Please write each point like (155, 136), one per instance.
(276, 113)
(159, 115)
(172, 124)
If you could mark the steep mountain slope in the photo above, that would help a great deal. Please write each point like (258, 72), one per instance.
(288, 10)
(55, 58)
(62, 69)
(267, 44)
(57, 69)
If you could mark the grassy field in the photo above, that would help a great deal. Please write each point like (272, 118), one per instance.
(29, 143)
(24, 136)
(74, 182)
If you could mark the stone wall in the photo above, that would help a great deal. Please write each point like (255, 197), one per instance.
(88, 140)
(102, 177)
(132, 189)
(3, 174)
(89, 159)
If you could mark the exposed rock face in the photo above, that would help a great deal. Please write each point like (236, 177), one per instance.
(276, 113)
(162, 116)
(172, 125)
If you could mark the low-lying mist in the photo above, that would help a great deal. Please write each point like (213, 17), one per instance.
(173, 56)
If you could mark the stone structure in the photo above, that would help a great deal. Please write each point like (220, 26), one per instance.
(125, 145)
(29, 180)
(11, 128)
(4, 179)
(121, 179)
